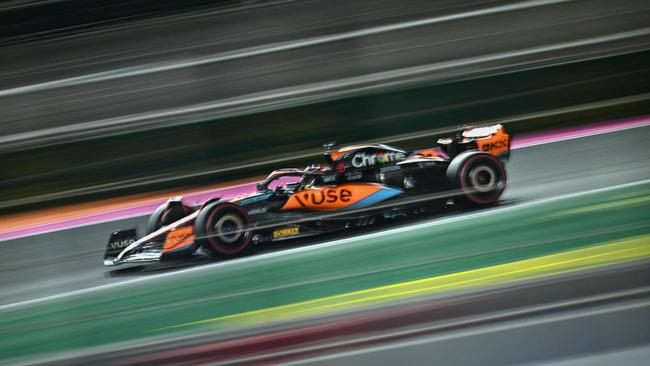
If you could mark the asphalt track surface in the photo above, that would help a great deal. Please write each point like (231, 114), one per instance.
(68, 260)
(202, 65)
(573, 337)
(492, 320)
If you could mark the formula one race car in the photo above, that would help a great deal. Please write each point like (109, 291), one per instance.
(356, 186)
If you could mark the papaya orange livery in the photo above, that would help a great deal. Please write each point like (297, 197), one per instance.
(428, 153)
(179, 238)
(496, 144)
(355, 186)
(331, 198)
(337, 154)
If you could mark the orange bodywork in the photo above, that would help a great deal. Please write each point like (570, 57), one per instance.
(178, 238)
(428, 153)
(330, 198)
(336, 154)
(495, 144)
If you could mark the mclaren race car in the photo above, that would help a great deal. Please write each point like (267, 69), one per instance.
(355, 186)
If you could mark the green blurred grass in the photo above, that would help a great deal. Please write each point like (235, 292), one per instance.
(147, 308)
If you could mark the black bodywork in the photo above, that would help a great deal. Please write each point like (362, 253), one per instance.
(355, 186)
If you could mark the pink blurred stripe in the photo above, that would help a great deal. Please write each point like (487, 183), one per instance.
(525, 140)
(123, 213)
(545, 137)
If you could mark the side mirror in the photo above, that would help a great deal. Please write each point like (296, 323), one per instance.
(329, 145)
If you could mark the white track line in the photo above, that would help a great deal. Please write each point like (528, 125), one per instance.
(644, 123)
(310, 248)
(276, 98)
(464, 323)
(478, 330)
(604, 131)
(261, 50)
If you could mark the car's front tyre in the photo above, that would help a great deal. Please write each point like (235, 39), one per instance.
(223, 229)
(167, 213)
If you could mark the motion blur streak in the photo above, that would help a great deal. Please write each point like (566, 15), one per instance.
(208, 91)
(540, 138)
(256, 51)
(379, 234)
(634, 248)
(106, 108)
(26, 226)
(531, 179)
(165, 300)
(321, 90)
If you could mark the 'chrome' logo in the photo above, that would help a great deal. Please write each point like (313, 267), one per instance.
(360, 160)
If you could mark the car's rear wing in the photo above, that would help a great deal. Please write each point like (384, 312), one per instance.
(492, 139)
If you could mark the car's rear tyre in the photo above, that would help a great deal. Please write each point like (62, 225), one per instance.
(166, 214)
(223, 229)
(480, 177)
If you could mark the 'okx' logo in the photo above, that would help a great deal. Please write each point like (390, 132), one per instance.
(495, 145)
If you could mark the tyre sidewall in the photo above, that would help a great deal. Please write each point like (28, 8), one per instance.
(460, 178)
(155, 221)
(208, 239)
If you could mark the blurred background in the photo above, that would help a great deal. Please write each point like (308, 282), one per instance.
(107, 107)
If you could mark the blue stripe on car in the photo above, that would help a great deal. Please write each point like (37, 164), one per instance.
(184, 247)
(383, 194)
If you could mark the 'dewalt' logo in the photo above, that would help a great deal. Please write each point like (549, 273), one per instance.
(286, 232)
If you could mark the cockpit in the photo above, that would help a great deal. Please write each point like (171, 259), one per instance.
(291, 180)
